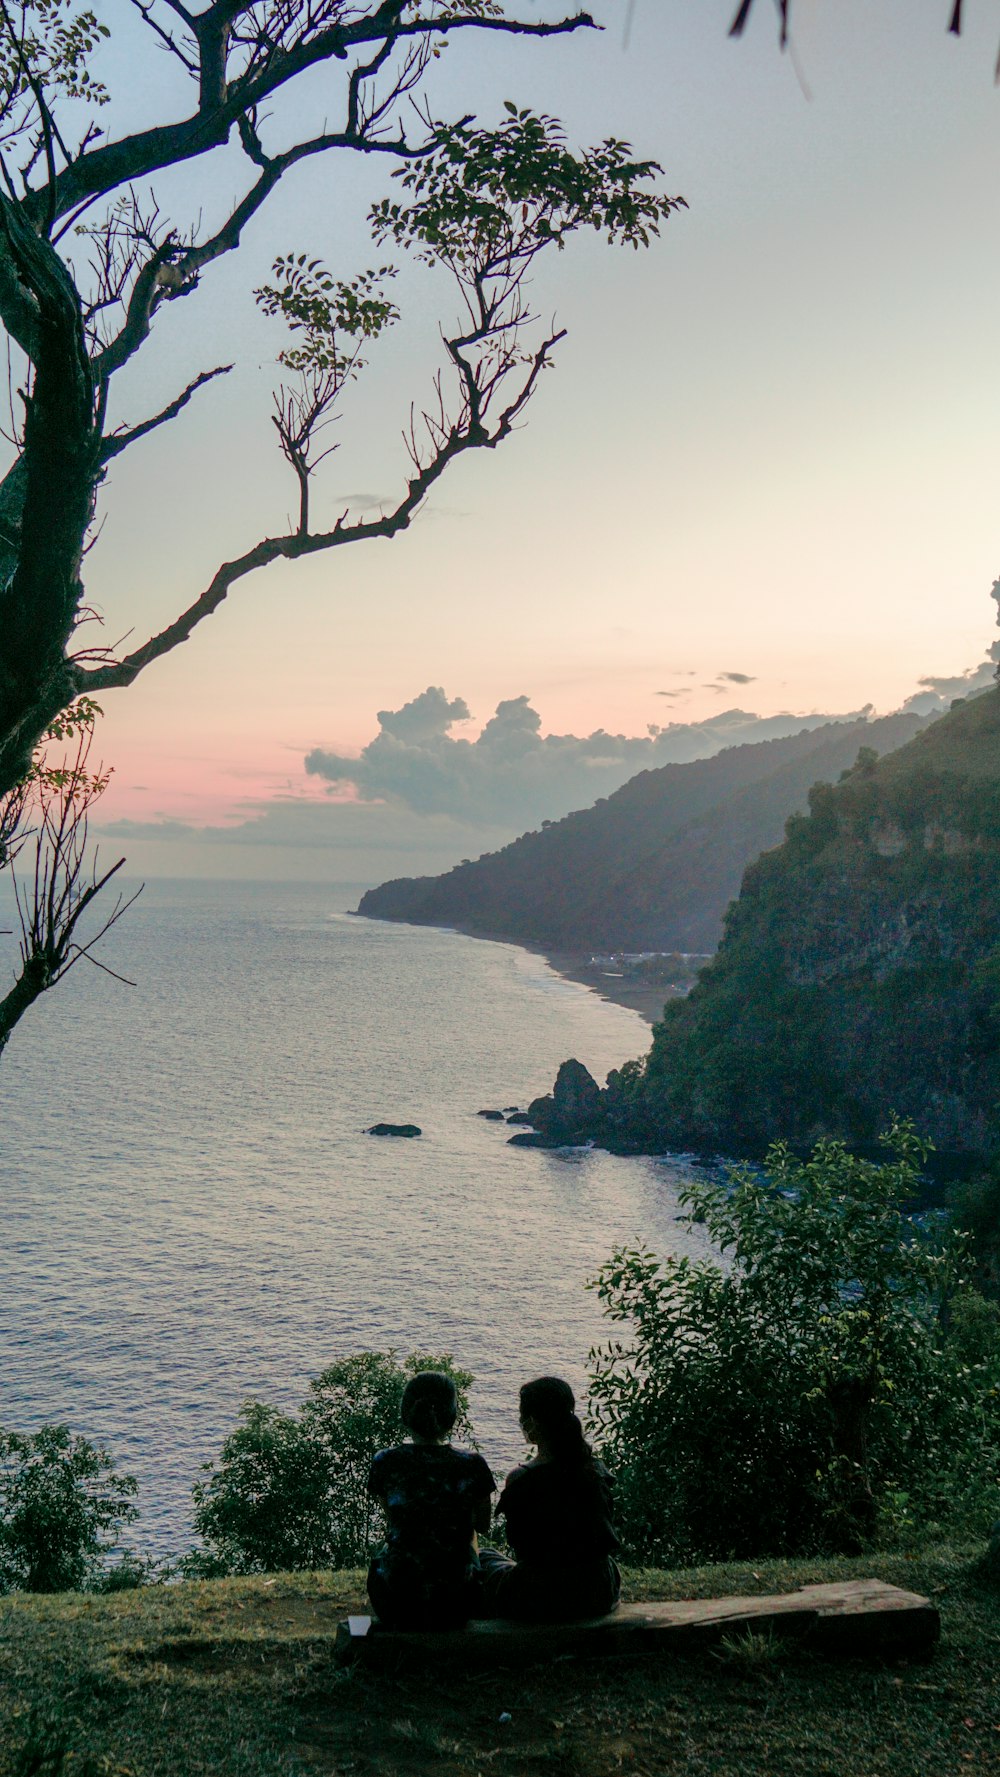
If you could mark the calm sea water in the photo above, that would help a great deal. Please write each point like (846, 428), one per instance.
(192, 1213)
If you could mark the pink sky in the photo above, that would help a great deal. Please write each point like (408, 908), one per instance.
(770, 445)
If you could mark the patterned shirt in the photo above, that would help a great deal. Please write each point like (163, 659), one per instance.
(430, 1493)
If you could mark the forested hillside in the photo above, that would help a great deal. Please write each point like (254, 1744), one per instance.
(859, 974)
(651, 867)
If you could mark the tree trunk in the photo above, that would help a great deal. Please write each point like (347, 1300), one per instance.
(54, 485)
(29, 986)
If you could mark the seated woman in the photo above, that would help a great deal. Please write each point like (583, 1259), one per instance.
(435, 1500)
(558, 1511)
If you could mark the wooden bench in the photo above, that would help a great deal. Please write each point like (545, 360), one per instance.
(850, 1617)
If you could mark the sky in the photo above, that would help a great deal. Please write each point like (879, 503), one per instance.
(762, 476)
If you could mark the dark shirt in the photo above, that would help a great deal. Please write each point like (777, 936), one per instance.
(430, 1493)
(559, 1512)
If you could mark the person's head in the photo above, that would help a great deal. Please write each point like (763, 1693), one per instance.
(429, 1407)
(548, 1419)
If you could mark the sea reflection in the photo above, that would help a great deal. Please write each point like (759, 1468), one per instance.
(193, 1213)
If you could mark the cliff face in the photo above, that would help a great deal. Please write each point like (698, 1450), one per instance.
(652, 867)
(859, 973)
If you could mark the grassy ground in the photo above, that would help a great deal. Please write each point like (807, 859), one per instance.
(237, 1678)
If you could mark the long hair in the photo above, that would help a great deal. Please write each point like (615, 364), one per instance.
(550, 1402)
(429, 1405)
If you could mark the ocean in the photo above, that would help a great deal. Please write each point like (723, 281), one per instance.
(193, 1214)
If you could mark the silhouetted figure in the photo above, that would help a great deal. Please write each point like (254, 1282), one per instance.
(558, 1512)
(435, 1499)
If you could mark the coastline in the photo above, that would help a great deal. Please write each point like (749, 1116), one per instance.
(573, 965)
(636, 996)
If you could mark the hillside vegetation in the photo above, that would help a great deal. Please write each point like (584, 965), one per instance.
(859, 973)
(651, 867)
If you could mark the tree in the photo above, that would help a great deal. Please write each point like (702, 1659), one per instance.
(290, 1491)
(62, 1504)
(836, 1377)
(46, 815)
(88, 260)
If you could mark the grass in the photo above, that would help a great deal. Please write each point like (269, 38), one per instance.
(237, 1678)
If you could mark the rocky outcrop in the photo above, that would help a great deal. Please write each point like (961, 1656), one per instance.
(569, 1113)
(407, 1129)
(859, 973)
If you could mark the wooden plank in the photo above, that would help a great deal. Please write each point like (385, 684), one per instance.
(850, 1616)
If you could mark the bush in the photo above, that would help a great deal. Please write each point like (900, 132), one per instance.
(61, 1507)
(131, 1572)
(290, 1490)
(975, 1205)
(837, 1379)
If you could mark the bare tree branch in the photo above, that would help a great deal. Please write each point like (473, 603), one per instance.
(150, 287)
(454, 440)
(147, 9)
(473, 213)
(173, 270)
(245, 52)
(300, 415)
(113, 445)
(105, 168)
(61, 885)
(13, 815)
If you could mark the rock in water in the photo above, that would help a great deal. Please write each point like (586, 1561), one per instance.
(576, 1096)
(573, 1109)
(394, 1129)
(491, 1116)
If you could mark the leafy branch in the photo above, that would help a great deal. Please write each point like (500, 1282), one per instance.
(485, 205)
(87, 261)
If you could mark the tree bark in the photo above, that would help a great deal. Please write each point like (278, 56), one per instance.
(32, 982)
(55, 487)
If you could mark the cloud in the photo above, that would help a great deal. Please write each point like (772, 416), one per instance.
(938, 691)
(426, 718)
(512, 775)
(419, 797)
(739, 678)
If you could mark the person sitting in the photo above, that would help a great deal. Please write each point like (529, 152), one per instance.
(435, 1500)
(558, 1512)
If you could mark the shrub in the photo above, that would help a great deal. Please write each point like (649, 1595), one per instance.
(837, 1377)
(61, 1506)
(131, 1572)
(290, 1490)
(975, 1205)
